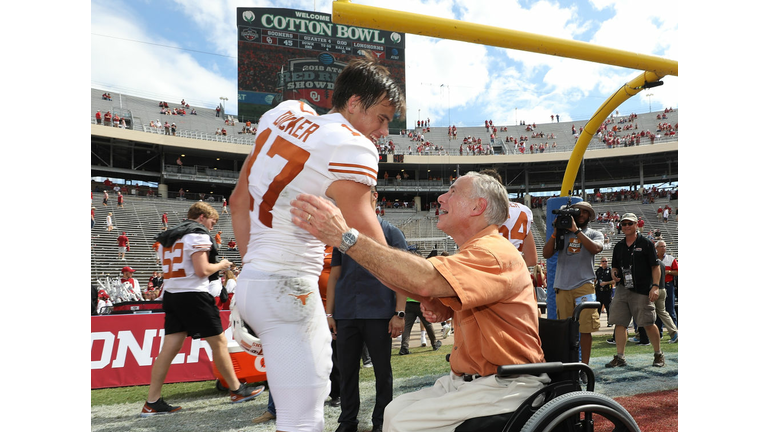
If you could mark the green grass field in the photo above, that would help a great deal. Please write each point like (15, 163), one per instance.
(421, 361)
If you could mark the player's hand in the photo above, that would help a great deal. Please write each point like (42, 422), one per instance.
(435, 311)
(225, 263)
(319, 217)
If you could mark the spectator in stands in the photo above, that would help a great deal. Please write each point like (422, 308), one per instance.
(108, 119)
(173, 129)
(164, 221)
(156, 283)
(182, 192)
(167, 127)
(224, 209)
(123, 246)
(104, 306)
(98, 117)
(156, 248)
(110, 226)
(93, 217)
(134, 287)
(119, 200)
(217, 239)
(232, 245)
(230, 281)
(218, 111)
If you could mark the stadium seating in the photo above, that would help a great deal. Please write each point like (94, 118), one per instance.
(140, 219)
(203, 126)
(565, 140)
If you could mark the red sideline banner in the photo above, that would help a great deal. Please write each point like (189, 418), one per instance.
(123, 348)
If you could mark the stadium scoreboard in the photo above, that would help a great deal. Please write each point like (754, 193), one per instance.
(294, 54)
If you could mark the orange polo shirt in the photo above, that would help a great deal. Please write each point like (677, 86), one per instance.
(495, 313)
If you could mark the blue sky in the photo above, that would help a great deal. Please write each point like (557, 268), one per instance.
(169, 50)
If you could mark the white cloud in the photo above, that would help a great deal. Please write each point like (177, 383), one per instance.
(479, 81)
(128, 57)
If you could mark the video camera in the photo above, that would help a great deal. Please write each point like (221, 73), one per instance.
(563, 222)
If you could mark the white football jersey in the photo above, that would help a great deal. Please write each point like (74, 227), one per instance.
(296, 152)
(518, 225)
(178, 271)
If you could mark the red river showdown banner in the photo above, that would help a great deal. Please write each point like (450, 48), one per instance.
(123, 348)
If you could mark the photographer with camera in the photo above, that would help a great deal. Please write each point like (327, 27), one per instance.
(577, 245)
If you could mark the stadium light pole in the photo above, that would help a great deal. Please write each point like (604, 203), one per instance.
(224, 104)
(449, 102)
(649, 101)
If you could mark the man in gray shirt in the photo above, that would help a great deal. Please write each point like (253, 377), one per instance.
(575, 274)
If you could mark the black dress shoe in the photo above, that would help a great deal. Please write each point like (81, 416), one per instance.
(377, 429)
(346, 427)
(334, 402)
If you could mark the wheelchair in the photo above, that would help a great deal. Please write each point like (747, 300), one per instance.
(562, 405)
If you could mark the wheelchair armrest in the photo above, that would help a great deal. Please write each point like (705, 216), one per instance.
(584, 305)
(548, 368)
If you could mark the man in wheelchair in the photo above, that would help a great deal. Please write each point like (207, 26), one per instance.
(485, 288)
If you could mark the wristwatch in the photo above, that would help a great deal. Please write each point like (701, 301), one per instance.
(348, 239)
(655, 285)
(400, 314)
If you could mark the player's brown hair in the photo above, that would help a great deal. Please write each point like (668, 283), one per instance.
(371, 81)
(201, 208)
(493, 173)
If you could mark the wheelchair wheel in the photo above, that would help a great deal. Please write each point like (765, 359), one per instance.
(582, 411)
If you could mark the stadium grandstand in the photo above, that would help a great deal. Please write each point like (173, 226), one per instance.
(631, 165)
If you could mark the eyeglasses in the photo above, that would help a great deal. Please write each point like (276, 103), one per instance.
(627, 223)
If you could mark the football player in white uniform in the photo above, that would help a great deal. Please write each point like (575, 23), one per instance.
(298, 151)
(189, 308)
(517, 228)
